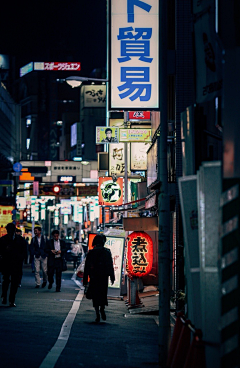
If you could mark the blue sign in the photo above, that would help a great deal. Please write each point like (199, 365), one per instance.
(17, 167)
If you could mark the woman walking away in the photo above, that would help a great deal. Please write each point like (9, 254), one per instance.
(98, 267)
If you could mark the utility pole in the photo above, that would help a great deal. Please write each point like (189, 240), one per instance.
(163, 199)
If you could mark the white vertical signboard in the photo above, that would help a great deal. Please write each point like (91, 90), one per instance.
(134, 56)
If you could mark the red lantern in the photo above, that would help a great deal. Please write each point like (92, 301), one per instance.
(139, 254)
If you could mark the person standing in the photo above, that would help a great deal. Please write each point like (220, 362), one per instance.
(98, 267)
(55, 249)
(12, 250)
(39, 256)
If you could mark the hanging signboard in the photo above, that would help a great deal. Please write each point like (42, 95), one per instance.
(139, 156)
(117, 159)
(134, 54)
(135, 135)
(110, 192)
(107, 135)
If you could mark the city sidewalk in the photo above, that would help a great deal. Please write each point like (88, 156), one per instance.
(36, 331)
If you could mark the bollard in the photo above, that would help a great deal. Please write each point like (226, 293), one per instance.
(175, 338)
(182, 348)
(196, 354)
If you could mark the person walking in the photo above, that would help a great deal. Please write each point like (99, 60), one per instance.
(76, 251)
(98, 267)
(12, 250)
(55, 248)
(39, 256)
(19, 233)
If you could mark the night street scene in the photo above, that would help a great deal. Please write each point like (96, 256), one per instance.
(120, 184)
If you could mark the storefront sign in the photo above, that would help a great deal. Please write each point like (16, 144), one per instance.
(94, 95)
(5, 215)
(139, 115)
(117, 159)
(134, 54)
(135, 135)
(139, 254)
(139, 156)
(110, 192)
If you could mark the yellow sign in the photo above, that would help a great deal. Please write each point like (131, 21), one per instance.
(5, 215)
(135, 135)
(107, 135)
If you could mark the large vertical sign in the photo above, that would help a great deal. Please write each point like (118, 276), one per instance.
(134, 60)
(209, 78)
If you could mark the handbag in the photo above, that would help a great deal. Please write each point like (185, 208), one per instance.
(88, 291)
(64, 264)
(80, 269)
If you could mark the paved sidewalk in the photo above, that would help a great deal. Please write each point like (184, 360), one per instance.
(39, 326)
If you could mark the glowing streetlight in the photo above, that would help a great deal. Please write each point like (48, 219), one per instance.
(76, 81)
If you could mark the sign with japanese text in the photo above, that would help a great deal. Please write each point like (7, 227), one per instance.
(5, 215)
(135, 135)
(209, 74)
(116, 157)
(94, 95)
(54, 65)
(139, 115)
(134, 60)
(110, 192)
(139, 156)
(139, 254)
(107, 135)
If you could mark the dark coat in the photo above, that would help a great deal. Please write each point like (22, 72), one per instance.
(37, 251)
(12, 252)
(98, 267)
(51, 256)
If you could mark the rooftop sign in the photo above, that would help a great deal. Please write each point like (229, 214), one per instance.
(52, 65)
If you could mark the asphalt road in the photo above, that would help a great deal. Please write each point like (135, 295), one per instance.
(49, 329)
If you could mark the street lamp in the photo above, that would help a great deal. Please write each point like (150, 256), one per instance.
(76, 81)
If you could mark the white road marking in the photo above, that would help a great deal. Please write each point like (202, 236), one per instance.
(55, 352)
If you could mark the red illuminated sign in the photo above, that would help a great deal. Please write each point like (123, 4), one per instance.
(139, 115)
(139, 254)
(62, 66)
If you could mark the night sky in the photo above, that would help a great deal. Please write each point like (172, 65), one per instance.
(50, 30)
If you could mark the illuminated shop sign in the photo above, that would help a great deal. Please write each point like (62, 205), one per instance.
(134, 59)
(53, 65)
(110, 192)
(139, 254)
(66, 179)
(135, 135)
(139, 115)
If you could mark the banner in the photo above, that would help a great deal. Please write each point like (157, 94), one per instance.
(208, 60)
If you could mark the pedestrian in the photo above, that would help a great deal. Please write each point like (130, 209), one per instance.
(98, 267)
(12, 250)
(76, 251)
(18, 232)
(39, 256)
(55, 249)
